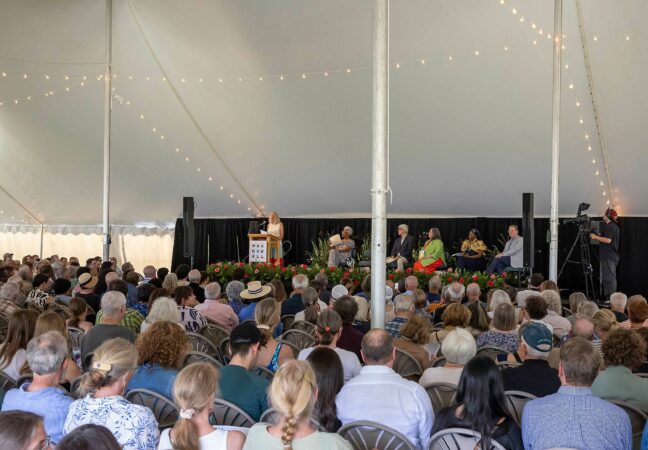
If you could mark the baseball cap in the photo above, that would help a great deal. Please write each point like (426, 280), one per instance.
(537, 336)
(338, 291)
(245, 333)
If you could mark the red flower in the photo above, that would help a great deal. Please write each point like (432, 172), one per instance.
(408, 270)
(225, 267)
(217, 270)
(390, 276)
(246, 276)
(331, 269)
(321, 270)
(283, 269)
(450, 279)
(461, 280)
(356, 282)
(256, 270)
(504, 274)
(475, 278)
(490, 283)
(450, 270)
(346, 274)
(492, 276)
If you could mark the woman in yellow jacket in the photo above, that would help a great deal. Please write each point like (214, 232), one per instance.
(432, 255)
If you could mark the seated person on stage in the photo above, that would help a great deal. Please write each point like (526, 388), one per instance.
(343, 250)
(401, 253)
(432, 255)
(472, 253)
(512, 254)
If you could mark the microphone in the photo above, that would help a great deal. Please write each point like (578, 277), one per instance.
(263, 223)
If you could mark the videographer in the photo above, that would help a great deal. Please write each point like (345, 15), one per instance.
(608, 251)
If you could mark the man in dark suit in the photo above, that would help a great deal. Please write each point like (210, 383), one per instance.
(402, 249)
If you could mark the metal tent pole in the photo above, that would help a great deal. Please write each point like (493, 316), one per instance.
(555, 141)
(107, 124)
(41, 240)
(379, 160)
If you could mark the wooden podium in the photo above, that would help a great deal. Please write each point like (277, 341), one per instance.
(261, 248)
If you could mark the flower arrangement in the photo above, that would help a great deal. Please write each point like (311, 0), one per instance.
(222, 273)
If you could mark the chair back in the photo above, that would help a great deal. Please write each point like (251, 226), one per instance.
(442, 395)
(407, 366)
(287, 321)
(299, 339)
(164, 410)
(229, 414)
(566, 312)
(491, 352)
(439, 362)
(263, 372)
(224, 351)
(507, 365)
(76, 337)
(642, 375)
(366, 435)
(515, 402)
(637, 420)
(459, 439)
(271, 416)
(90, 311)
(201, 344)
(87, 361)
(193, 357)
(6, 382)
(214, 333)
(308, 327)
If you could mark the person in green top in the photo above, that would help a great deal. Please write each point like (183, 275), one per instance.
(432, 255)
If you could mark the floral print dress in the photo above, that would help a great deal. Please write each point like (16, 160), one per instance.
(134, 426)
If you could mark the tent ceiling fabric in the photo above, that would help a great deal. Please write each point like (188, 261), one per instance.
(468, 135)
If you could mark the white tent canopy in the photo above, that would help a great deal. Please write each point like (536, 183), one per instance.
(470, 108)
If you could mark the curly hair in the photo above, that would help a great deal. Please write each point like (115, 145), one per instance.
(456, 315)
(643, 332)
(637, 312)
(163, 343)
(624, 348)
(417, 330)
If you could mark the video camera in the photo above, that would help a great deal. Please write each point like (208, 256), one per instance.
(585, 224)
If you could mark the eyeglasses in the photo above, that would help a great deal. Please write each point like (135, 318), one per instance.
(45, 444)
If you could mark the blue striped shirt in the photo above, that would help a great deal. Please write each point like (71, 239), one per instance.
(575, 418)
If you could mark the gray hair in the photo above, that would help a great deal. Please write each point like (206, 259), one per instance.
(112, 302)
(9, 291)
(321, 276)
(434, 283)
(234, 289)
(348, 228)
(588, 309)
(459, 346)
(499, 297)
(194, 276)
(164, 309)
(309, 296)
(24, 272)
(618, 300)
(300, 281)
(455, 292)
(473, 289)
(553, 301)
(46, 353)
(403, 303)
(212, 291)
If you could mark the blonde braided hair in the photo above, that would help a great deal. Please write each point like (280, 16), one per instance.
(292, 393)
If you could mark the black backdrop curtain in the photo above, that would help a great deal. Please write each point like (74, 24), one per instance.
(226, 239)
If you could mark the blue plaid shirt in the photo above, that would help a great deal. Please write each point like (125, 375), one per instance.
(575, 418)
(393, 326)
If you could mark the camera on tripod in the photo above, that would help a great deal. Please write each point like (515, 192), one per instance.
(585, 224)
(585, 227)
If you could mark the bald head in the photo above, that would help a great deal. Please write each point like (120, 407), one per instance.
(111, 276)
(378, 348)
(411, 283)
(473, 292)
(583, 327)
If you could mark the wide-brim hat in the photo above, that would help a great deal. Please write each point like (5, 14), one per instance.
(255, 290)
(87, 281)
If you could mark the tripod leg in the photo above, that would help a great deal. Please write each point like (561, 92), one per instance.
(571, 250)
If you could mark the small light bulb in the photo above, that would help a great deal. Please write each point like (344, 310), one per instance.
(540, 32)
(281, 77)
(563, 47)
(608, 202)
(47, 77)
(25, 76)
(249, 209)
(534, 26)
(231, 195)
(502, 2)
(596, 38)
(130, 77)
(450, 58)
(154, 130)
(210, 178)
(29, 97)
(589, 148)
(506, 48)
(162, 137)
(220, 80)
(177, 150)
(84, 78)
(82, 83)
(593, 161)
(326, 74)
(580, 121)
(303, 76)
(141, 116)
(571, 86)
(187, 159)
(578, 104)
(4, 74)
(604, 193)
(260, 78)
(566, 66)
(601, 182)
(163, 78)
(596, 173)
(127, 103)
(16, 101)
(422, 61)
(476, 52)
(200, 80)
(240, 79)
(398, 65)
(221, 188)
(535, 42)
(548, 35)
(586, 136)
(522, 19)
(183, 80)
(239, 201)
(66, 77)
(627, 38)
(67, 88)
(198, 169)
(348, 71)
(514, 11)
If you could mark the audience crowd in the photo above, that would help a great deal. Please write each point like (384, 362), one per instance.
(81, 344)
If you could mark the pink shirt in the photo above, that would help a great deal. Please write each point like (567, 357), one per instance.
(218, 312)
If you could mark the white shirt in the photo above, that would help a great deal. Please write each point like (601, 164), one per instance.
(441, 375)
(16, 364)
(350, 362)
(301, 315)
(381, 395)
(216, 440)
